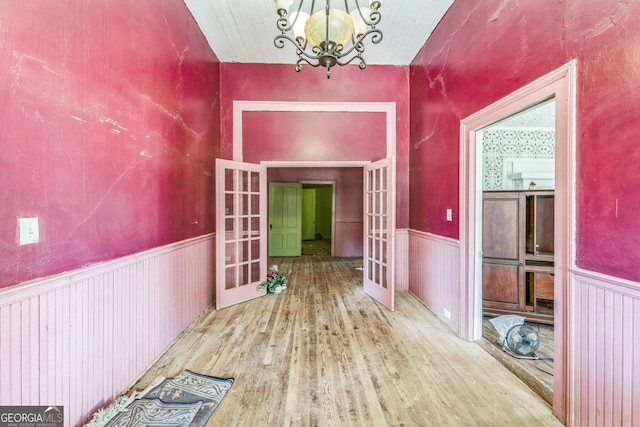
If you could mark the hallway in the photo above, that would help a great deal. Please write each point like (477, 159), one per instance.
(324, 353)
(316, 247)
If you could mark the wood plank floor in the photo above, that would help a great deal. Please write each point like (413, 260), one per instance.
(537, 374)
(323, 353)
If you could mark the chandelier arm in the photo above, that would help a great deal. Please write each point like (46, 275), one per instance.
(278, 41)
(373, 19)
(283, 24)
(376, 37)
(362, 63)
(305, 60)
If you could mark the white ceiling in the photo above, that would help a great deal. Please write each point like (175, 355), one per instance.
(243, 30)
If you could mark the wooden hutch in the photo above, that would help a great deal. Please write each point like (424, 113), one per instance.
(517, 254)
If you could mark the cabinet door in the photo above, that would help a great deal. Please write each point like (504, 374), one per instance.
(502, 233)
(540, 230)
(501, 286)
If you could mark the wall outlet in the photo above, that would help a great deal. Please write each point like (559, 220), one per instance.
(446, 313)
(29, 231)
(449, 215)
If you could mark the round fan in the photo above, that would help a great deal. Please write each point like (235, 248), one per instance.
(522, 341)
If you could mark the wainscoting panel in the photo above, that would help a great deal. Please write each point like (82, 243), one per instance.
(604, 350)
(402, 259)
(80, 338)
(434, 274)
(348, 239)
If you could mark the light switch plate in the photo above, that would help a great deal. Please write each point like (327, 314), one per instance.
(449, 215)
(29, 230)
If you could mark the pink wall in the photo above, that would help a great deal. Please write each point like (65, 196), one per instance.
(483, 50)
(348, 201)
(360, 133)
(109, 127)
(296, 135)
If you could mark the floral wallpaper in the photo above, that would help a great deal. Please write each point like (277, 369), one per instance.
(499, 144)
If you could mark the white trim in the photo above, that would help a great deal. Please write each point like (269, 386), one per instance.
(436, 237)
(389, 108)
(26, 290)
(402, 259)
(314, 164)
(604, 281)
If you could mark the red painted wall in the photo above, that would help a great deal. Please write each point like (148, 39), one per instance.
(320, 136)
(109, 126)
(333, 136)
(481, 51)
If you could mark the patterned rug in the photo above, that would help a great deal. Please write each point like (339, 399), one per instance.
(186, 400)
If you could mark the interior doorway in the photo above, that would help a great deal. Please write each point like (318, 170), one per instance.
(518, 182)
(559, 84)
(339, 206)
(354, 218)
(317, 218)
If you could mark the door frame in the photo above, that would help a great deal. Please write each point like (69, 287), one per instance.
(333, 206)
(318, 165)
(388, 108)
(561, 84)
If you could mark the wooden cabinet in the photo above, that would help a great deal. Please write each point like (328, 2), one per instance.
(517, 254)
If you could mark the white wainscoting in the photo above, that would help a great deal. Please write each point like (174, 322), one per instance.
(604, 350)
(80, 338)
(603, 330)
(402, 259)
(434, 266)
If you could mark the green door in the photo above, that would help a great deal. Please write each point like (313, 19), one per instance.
(308, 214)
(285, 219)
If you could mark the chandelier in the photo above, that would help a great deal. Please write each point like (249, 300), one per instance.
(328, 36)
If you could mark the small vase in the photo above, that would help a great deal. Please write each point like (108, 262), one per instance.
(278, 289)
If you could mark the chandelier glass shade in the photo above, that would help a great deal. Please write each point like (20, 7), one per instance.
(326, 36)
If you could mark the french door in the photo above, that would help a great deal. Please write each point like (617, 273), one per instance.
(241, 231)
(379, 231)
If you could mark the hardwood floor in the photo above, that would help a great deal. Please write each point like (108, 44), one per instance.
(323, 353)
(316, 247)
(537, 374)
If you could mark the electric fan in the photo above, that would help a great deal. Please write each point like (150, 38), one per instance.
(522, 341)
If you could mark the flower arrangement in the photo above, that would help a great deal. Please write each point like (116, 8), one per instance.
(275, 281)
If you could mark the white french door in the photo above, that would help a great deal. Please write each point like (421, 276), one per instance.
(241, 231)
(379, 231)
